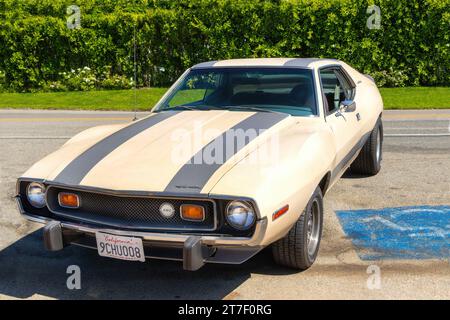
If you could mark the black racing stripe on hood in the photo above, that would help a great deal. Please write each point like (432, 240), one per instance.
(192, 177)
(76, 170)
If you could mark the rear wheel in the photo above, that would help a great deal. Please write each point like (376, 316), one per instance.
(299, 248)
(369, 159)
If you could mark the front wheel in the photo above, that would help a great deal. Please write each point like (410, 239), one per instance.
(299, 248)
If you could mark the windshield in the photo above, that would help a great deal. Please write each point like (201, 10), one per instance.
(257, 89)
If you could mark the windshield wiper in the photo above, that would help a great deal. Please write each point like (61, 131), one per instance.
(182, 107)
(243, 107)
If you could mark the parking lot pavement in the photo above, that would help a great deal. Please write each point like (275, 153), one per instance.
(416, 172)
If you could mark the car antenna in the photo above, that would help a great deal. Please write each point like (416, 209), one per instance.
(135, 72)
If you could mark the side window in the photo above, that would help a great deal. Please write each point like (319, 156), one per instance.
(346, 86)
(335, 89)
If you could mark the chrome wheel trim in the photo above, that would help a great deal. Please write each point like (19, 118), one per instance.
(313, 228)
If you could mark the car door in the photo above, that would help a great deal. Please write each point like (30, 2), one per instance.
(336, 91)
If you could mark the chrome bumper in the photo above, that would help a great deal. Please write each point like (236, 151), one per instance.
(232, 250)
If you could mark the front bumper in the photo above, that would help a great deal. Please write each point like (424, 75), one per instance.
(194, 250)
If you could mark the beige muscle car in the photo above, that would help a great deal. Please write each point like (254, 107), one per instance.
(235, 157)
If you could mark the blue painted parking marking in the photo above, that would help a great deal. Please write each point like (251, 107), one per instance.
(421, 232)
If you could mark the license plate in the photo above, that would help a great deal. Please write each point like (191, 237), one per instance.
(120, 247)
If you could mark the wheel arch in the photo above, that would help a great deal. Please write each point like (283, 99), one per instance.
(325, 183)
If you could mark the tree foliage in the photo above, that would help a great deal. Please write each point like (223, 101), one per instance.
(412, 47)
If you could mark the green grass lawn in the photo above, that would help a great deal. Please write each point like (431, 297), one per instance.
(87, 100)
(416, 98)
(394, 98)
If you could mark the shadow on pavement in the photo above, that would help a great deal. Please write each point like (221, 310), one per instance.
(28, 269)
(348, 174)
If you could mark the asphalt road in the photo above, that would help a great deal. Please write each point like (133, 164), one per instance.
(416, 171)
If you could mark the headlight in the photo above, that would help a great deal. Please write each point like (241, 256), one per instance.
(240, 215)
(36, 194)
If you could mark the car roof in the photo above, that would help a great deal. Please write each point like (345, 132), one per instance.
(269, 62)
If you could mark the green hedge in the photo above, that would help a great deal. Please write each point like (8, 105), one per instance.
(36, 47)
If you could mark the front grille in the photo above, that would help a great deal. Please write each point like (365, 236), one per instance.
(130, 211)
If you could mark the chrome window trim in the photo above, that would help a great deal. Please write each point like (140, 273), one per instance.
(347, 77)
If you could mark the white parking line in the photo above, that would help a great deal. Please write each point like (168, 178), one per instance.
(34, 137)
(417, 128)
(417, 135)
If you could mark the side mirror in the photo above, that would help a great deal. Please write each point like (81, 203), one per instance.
(348, 106)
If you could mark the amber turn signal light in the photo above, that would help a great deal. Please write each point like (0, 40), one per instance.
(280, 212)
(191, 212)
(68, 200)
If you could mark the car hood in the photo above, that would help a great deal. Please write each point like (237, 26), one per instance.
(172, 151)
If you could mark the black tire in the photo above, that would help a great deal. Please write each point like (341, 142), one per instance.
(369, 159)
(292, 250)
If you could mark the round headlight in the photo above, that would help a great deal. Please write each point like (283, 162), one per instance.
(240, 215)
(36, 194)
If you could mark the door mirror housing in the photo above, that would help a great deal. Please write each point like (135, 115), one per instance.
(348, 106)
